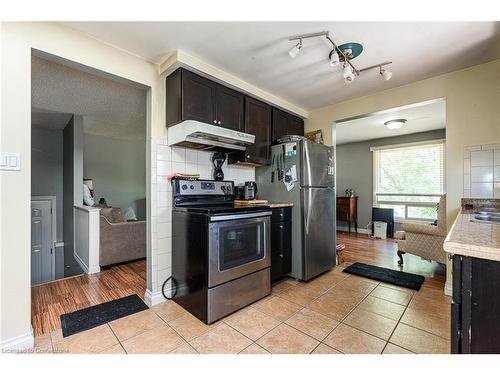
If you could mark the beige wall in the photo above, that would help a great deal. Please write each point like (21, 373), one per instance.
(17, 41)
(472, 114)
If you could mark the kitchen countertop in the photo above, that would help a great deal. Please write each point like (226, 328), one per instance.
(275, 204)
(468, 238)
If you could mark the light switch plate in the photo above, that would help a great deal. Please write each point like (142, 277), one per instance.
(10, 161)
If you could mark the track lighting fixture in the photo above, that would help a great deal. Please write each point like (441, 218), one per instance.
(295, 50)
(334, 58)
(348, 74)
(387, 75)
(343, 53)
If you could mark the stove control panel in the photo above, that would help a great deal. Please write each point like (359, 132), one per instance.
(202, 187)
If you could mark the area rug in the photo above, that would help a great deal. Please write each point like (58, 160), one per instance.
(399, 278)
(91, 317)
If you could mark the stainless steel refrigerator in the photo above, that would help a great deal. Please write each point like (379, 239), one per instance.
(303, 172)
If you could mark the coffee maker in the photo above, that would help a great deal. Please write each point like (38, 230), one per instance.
(248, 191)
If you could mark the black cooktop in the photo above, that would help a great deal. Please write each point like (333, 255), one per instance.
(228, 208)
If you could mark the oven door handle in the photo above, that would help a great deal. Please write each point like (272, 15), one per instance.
(241, 216)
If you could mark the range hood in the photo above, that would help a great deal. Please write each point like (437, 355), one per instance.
(205, 137)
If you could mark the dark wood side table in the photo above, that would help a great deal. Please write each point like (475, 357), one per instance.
(347, 210)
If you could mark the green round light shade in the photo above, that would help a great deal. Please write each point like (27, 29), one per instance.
(355, 48)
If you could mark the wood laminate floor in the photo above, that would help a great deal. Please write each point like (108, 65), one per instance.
(383, 253)
(50, 300)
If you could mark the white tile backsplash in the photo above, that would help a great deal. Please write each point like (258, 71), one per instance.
(481, 174)
(496, 188)
(181, 160)
(481, 189)
(481, 171)
(497, 157)
(178, 154)
(481, 158)
(466, 181)
(191, 156)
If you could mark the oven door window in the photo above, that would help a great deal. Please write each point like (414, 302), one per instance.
(240, 244)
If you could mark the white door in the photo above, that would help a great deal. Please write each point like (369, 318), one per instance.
(41, 242)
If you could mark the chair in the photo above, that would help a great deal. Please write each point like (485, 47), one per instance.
(120, 240)
(424, 240)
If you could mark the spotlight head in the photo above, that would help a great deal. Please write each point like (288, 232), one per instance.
(348, 74)
(295, 50)
(334, 58)
(387, 75)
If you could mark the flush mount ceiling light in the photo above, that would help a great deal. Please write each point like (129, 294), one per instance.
(395, 124)
(295, 50)
(341, 53)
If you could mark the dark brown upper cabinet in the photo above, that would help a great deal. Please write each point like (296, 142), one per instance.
(258, 123)
(230, 107)
(192, 97)
(285, 124)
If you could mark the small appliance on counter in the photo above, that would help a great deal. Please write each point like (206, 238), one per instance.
(221, 252)
(218, 160)
(247, 191)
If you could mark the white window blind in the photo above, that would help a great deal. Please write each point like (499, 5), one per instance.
(409, 178)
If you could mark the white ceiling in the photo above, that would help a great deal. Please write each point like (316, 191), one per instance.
(109, 108)
(257, 52)
(421, 117)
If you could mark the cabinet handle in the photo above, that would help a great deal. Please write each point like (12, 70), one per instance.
(219, 122)
(248, 156)
(281, 226)
(281, 214)
(215, 121)
(281, 255)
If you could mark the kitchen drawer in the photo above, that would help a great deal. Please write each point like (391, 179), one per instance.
(281, 264)
(281, 235)
(281, 214)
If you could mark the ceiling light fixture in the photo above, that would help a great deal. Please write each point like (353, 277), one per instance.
(348, 74)
(334, 58)
(342, 53)
(295, 50)
(395, 124)
(387, 75)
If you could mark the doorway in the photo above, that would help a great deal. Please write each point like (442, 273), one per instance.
(88, 143)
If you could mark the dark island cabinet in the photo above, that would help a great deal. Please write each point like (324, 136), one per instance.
(281, 243)
(285, 124)
(192, 97)
(475, 306)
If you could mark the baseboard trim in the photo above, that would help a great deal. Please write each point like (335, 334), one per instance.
(19, 343)
(360, 230)
(153, 298)
(448, 289)
(81, 263)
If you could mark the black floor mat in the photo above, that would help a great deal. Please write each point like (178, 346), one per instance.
(103, 313)
(399, 278)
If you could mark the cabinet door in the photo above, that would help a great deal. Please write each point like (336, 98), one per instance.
(295, 125)
(258, 123)
(198, 98)
(230, 106)
(280, 124)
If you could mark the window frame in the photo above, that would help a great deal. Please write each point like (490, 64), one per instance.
(377, 202)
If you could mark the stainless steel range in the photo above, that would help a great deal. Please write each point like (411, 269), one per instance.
(221, 253)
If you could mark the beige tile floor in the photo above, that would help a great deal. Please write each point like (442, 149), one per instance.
(335, 313)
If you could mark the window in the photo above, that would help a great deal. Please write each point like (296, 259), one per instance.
(409, 178)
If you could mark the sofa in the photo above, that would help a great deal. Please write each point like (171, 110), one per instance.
(120, 240)
(424, 240)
